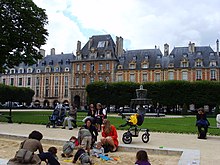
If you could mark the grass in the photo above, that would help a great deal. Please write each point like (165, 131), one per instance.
(170, 125)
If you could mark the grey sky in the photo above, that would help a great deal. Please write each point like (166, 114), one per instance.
(142, 23)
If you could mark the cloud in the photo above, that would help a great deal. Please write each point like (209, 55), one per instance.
(142, 23)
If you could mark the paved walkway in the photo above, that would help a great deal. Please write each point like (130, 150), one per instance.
(209, 149)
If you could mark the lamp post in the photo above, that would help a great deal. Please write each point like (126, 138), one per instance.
(10, 114)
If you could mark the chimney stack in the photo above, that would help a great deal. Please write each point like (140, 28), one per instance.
(217, 45)
(119, 46)
(166, 49)
(191, 47)
(78, 48)
(52, 51)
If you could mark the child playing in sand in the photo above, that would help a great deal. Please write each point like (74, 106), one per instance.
(83, 156)
(69, 146)
(97, 149)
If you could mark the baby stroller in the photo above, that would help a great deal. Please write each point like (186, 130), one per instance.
(57, 117)
(133, 131)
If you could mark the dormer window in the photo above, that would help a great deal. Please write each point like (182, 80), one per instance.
(198, 63)
(212, 63)
(108, 54)
(67, 69)
(146, 57)
(185, 55)
(157, 66)
(120, 67)
(21, 70)
(145, 65)
(171, 56)
(134, 58)
(184, 64)
(38, 70)
(29, 70)
(199, 53)
(68, 61)
(12, 71)
(158, 56)
(171, 65)
(101, 44)
(57, 69)
(132, 66)
(47, 70)
(51, 62)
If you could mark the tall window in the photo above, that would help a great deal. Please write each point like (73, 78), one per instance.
(77, 81)
(120, 78)
(107, 66)
(100, 66)
(56, 85)
(84, 67)
(20, 81)
(4, 81)
(213, 75)
(83, 81)
(92, 67)
(198, 75)
(37, 91)
(157, 77)
(91, 79)
(170, 75)
(145, 77)
(28, 81)
(66, 82)
(12, 81)
(47, 87)
(132, 77)
(37, 81)
(100, 78)
(77, 67)
(184, 75)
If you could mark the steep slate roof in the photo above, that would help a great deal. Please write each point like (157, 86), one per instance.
(100, 50)
(61, 60)
(141, 55)
(205, 51)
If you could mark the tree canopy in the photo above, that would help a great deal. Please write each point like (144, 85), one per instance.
(22, 32)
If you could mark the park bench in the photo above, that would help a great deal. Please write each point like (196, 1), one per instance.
(8, 117)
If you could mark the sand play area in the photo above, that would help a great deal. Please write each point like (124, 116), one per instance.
(8, 147)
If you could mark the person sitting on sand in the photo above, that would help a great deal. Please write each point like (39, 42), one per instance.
(109, 135)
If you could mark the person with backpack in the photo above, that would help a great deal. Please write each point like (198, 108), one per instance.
(69, 146)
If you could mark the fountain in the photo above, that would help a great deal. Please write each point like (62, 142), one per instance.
(141, 100)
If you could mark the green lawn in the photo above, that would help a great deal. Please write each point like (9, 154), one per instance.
(174, 125)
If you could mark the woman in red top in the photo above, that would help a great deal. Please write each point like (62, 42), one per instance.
(109, 135)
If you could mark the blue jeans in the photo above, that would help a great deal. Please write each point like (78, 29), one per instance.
(49, 157)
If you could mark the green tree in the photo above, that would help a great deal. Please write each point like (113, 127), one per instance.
(22, 32)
